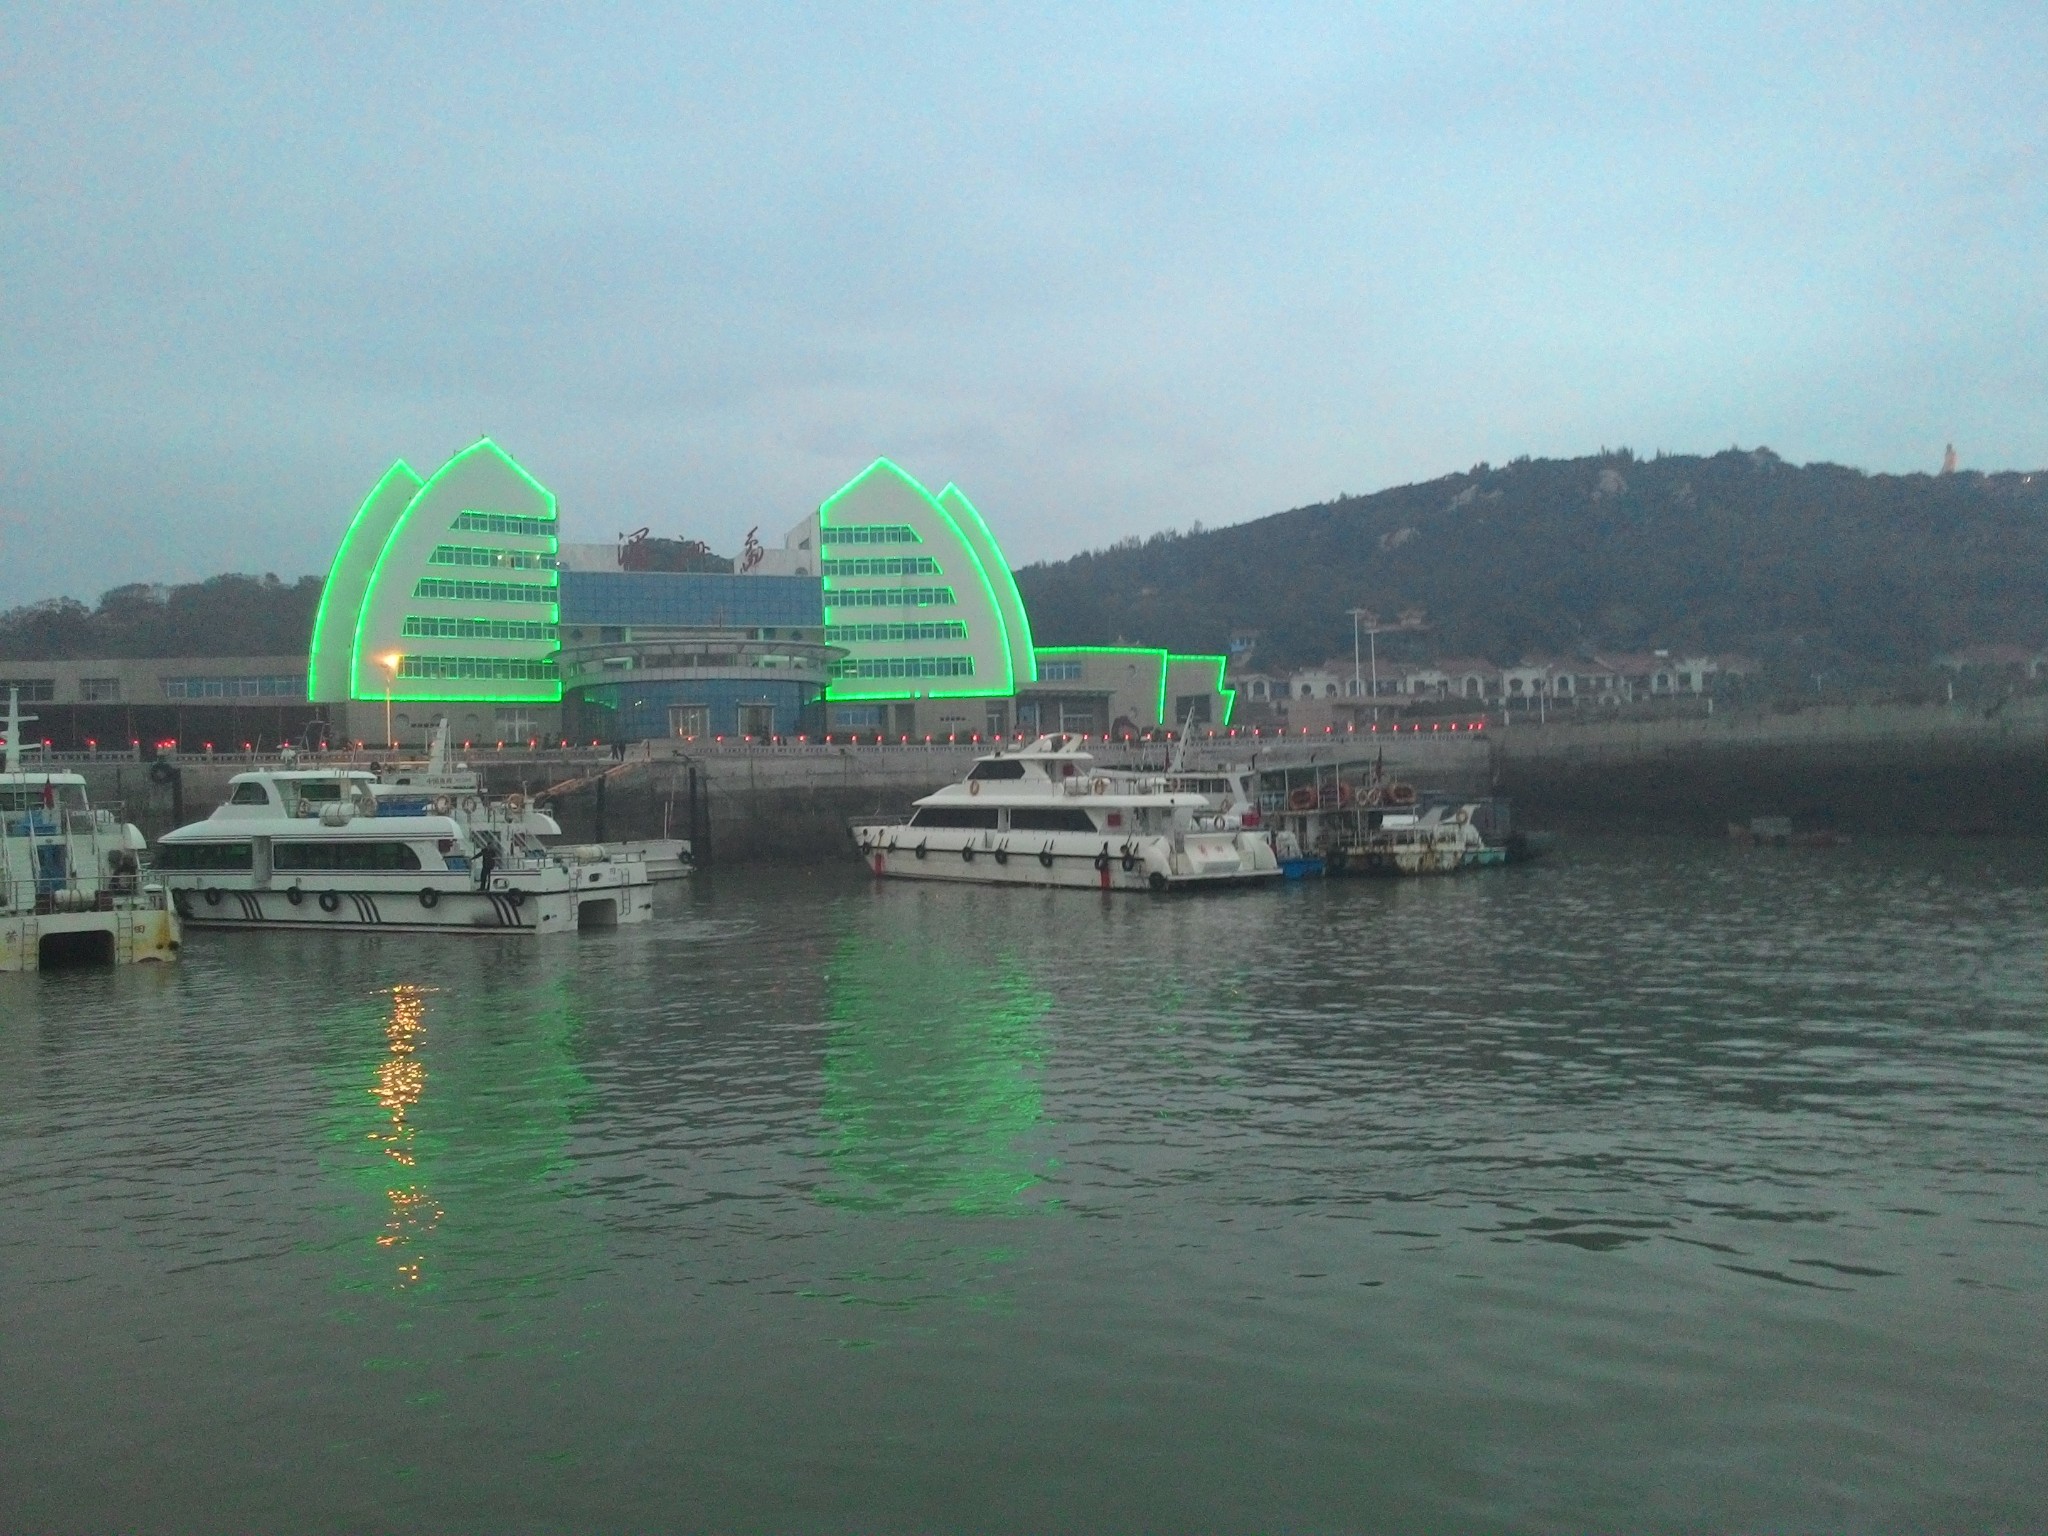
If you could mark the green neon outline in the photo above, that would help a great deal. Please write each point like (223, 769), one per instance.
(376, 573)
(1009, 688)
(341, 553)
(1029, 651)
(1116, 650)
(1228, 695)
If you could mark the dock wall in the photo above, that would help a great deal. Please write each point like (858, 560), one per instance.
(1858, 768)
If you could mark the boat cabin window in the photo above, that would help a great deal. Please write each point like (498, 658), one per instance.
(203, 856)
(251, 793)
(999, 768)
(29, 797)
(321, 791)
(1052, 818)
(954, 816)
(354, 854)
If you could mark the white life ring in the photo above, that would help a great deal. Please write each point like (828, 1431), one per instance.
(515, 802)
(974, 786)
(443, 805)
(469, 803)
(1099, 786)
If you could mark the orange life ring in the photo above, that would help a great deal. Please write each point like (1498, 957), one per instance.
(1400, 794)
(1301, 798)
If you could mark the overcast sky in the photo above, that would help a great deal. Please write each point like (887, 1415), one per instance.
(1112, 268)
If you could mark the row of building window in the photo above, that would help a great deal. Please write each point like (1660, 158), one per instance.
(107, 690)
(890, 597)
(870, 533)
(881, 565)
(516, 668)
(905, 666)
(478, 554)
(274, 687)
(484, 591)
(503, 522)
(1059, 671)
(418, 627)
(936, 629)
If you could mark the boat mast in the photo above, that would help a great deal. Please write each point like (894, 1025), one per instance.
(14, 722)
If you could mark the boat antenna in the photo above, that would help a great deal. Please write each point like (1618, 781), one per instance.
(1180, 748)
(14, 723)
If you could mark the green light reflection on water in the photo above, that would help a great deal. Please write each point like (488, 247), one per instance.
(932, 1091)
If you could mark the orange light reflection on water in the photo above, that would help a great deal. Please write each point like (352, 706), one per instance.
(401, 1083)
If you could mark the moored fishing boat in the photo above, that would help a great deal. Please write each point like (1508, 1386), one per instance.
(74, 881)
(1438, 841)
(1047, 815)
(320, 848)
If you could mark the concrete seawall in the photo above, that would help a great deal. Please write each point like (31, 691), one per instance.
(1867, 768)
(1859, 768)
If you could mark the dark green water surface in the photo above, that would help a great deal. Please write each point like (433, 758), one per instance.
(1665, 1185)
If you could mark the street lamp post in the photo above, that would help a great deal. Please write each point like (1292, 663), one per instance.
(1372, 632)
(389, 662)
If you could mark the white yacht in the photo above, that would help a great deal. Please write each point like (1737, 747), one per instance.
(1046, 815)
(324, 848)
(74, 885)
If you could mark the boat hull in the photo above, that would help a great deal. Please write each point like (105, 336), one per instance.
(505, 909)
(132, 934)
(1061, 860)
(1410, 862)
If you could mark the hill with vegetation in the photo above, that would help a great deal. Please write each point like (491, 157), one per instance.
(221, 616)
(1804, 567)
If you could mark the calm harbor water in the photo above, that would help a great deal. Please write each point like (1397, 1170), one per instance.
(1667, 1184)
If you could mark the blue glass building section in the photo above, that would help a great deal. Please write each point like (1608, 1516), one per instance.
(708, 600)
(640, 711)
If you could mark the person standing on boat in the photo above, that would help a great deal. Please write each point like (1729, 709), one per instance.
(484, 864)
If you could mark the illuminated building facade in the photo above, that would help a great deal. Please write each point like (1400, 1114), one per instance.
(890, 610)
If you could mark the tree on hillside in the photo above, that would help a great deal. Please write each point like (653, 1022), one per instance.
(1735, 551)
(221, 616)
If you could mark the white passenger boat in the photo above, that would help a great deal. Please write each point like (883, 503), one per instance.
(74, 886)
(448, 787)
(1047, 815)
(321, 848)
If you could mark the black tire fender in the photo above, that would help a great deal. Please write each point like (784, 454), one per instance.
(1102, 858)
(212, 895)
(295, 896)
(1045, 856)
(921, 847)
(330, 901)
(967, 854)
(429, 897)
